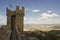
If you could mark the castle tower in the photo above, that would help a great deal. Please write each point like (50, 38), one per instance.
(15, 21)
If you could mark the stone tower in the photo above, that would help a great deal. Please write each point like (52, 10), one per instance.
(15, 21)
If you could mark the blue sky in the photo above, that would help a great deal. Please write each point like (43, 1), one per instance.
(36, 11)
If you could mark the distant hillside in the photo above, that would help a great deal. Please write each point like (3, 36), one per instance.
(43, 27)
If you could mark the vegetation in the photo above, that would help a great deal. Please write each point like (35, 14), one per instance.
(51, 35)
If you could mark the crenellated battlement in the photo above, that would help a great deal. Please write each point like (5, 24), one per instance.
(18, 10)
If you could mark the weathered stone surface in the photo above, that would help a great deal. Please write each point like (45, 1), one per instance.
(3, 32)
(15, 21)
(14, 24)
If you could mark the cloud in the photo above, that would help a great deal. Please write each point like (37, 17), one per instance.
(30, 20)
(25, 18)
(41, 20)
(49, 11)
(45, 18)
(35, 10)
(2, 20)
(47, 15)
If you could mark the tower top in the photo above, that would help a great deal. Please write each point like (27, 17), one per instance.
(17, 10)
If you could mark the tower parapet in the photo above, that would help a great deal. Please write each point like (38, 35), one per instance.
(8, 11)
(17, 10)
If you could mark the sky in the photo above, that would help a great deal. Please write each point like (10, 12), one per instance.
(36, 11)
